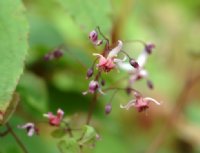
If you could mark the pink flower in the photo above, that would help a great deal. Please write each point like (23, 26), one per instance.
(140, 103)
(108, 63)
(30, 129)
(93, 87)
(55, 119)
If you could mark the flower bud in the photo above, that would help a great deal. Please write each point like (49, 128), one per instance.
(48, 57)
(103, 82)
(108, 108)
(149, 84)
(149, 47)
(134, 63)
(57, 53)
(90, 72)
(93, 36)
(128, 90)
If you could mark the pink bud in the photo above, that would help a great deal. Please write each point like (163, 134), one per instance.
(93, 36)
(89, 72)
(108, 109)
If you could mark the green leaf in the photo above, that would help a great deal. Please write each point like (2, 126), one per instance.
(88, 136)
(89, 14)
(58, 133)
(69, 146)
(13, 48)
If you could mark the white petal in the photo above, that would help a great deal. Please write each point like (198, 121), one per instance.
(96, 54)
(60, 111)
(128, 105)
(31, 132)
(125, 66)
(99, 89)
(117, 60)
(143, 73)
(46, 115)
(116, 50)
(85, 92)
(142, 58)
(26, 125)
(151, 100)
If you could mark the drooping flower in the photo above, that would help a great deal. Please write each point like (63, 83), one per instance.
(140, 103)
(109, 62)
(30, 128)
(55, 120)
(136, 68)
(93, 36)
(93, 87)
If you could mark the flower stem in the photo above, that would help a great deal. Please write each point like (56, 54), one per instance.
(16, 138)
(91, 109)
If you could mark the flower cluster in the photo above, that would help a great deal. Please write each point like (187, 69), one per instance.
(109, 60)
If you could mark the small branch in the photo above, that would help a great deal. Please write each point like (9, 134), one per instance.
(16, 138)
(104, 37)
(91, 109)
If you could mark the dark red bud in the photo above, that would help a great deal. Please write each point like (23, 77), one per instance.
(128, 90)
(108, 109)
(48, 57)
(58, 53)
(149, 48)
(90, 72)
(150, 84)
(103, 82)
(134, 63)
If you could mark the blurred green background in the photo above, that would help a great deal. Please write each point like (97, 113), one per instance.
(174, 68)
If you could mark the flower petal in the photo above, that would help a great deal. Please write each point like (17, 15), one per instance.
(116, 50)
(128, 105)
(148, 99)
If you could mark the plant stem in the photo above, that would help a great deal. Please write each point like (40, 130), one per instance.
(91, 109)
(16, 138)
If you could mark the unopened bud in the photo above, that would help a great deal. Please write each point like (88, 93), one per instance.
(58, 53)
(103, 82)
(48, 57)
(149, 84)
(93, 36)
(128, 90)
(149, 47)
(134, 63)
(90, 72)
(108, 109)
